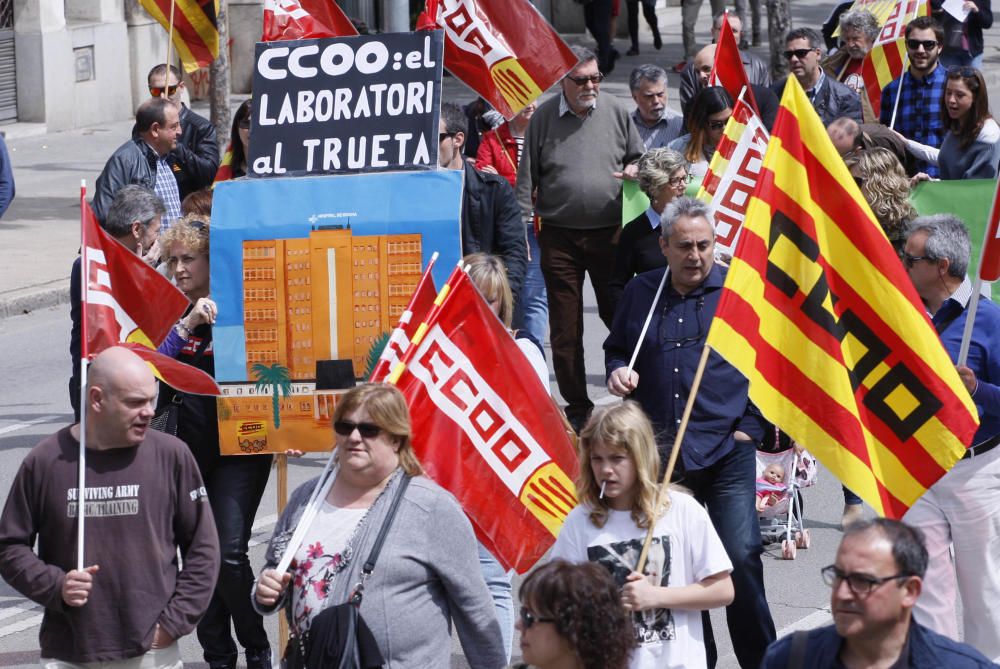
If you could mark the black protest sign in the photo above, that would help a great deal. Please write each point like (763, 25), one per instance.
(346, 104)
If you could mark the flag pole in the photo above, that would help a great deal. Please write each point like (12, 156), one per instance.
(977, 285)
(170, 45)
(281, 468)
(82, 459)
(672, 462)
(649, 317)
(906, 64)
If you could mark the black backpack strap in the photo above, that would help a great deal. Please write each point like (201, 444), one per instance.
(797, 654)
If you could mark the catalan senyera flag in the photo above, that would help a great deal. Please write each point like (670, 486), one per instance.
(887, 59)
(304, 19)
(819, 314)
(485, 428)
(732, 174)
(128, 303)
(225, 171)
(399, 339)
(727, 68)
(989, 263)
(502, 49)
(196, 32)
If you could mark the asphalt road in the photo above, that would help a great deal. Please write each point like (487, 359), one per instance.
(34, 403)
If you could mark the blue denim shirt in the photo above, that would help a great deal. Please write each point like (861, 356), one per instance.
(984, 352)
(927, 650)
(668, 360)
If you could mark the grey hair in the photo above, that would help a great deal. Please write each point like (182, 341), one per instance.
(583, 55)
(655, 168)
(863, 20)
(646, 71)
(684, 207)
(810, 34)
(132, 203)
(947, 237)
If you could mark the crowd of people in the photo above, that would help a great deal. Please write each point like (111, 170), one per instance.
(637, 564)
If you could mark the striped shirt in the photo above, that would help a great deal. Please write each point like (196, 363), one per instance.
(166, 188)
(919, 114)
(668, 128)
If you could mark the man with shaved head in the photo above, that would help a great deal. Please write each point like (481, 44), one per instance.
(143, 500)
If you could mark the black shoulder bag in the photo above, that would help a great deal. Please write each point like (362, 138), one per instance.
(165, 419)
(338, 636)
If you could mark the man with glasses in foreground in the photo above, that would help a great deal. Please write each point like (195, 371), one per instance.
(911, 104)
(830, 98)
(958, 514)
(196, 157)
(717, 460)
(576, 150)
(877, 578)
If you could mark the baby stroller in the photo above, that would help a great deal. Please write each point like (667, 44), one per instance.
(781, 518)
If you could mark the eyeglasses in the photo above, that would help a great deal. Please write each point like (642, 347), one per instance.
(860, 181)
(528, 618)
(445, 135)
(582, 81)
(798, 53)
(910, 261)
(860, 584)
(960, 71)
(157, 91)
(680, 181)
(718, 125)
(915, 44)
(346, 428)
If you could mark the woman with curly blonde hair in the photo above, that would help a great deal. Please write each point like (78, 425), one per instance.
(886, 188)
(687, 569)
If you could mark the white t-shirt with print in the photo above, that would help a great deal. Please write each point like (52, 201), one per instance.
(685, 541)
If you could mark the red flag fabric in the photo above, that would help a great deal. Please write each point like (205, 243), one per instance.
(887, 58)
(415, 313)
(195, 25)
(225, 171)
(304, 19)
(989, 266)
(127, 302)
(486, 429)
(502, 49)
(728, 70)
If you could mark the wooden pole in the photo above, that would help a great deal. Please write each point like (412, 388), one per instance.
(673, 458)
(170, 46)
(281, 467)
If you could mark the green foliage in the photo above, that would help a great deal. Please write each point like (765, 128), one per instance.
(374, 353)
(277, 379)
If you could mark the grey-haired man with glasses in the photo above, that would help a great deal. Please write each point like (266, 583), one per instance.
(876, 579)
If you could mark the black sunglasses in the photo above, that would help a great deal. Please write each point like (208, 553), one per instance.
(915, 44)
(798, 53)
(346, 428)
(445, 135)
(910, 261)
(528, 618)
(582, 81)
(717, 125)
(157, 91)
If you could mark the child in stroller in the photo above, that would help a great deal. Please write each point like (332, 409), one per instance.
(783, 469)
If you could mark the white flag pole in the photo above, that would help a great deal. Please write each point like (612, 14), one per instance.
(649, 317)
(82, 460)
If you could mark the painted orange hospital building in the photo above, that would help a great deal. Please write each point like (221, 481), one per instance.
(324, 297)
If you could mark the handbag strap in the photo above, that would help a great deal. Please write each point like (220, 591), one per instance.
(369, 565)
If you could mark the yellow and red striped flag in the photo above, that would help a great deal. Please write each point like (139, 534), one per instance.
(819, 314)
(196, 32)
(887, 58)
(732, 174)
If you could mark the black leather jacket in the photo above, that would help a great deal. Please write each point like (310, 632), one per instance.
(832, 100)
(491, 222)
(134, 162)
(196, 158)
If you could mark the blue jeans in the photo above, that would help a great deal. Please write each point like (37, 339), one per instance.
(498, 582)
(531, 313)
(727, 489)
(235, 486)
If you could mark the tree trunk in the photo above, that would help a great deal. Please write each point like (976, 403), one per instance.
(219, 69)
(779, 22)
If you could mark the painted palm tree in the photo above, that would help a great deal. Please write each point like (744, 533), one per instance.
(276, 378)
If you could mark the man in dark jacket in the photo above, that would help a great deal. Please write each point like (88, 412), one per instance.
(491, 218)
(830, 98)
(142, 160)
(196, 158)
(876, 579)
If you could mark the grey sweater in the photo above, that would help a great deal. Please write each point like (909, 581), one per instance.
(571, 162)
(426, 577)
(976, 161)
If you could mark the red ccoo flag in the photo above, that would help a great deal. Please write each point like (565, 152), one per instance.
(128, 303)
(415, 313)
(304, 19)
(728, 70)
(502, 49)
(485, 429)
(989, 264)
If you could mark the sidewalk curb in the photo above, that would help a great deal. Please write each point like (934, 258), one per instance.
(26, 300)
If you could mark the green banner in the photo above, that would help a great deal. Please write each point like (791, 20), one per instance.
(634, 201)
(968, 199)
